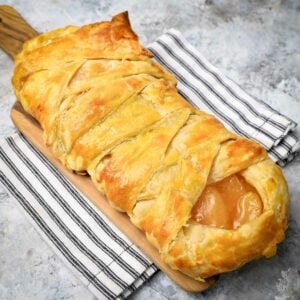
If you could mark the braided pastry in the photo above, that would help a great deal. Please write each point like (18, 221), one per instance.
(207, 199)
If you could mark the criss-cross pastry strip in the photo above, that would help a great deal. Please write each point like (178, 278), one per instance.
(107, 109)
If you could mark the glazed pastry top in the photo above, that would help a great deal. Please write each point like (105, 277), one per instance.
(109, 110)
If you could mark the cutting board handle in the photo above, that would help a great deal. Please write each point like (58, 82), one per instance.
(14, 30)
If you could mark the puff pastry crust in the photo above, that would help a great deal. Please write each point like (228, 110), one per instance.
(107, 109)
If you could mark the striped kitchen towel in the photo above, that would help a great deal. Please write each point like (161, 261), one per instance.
(104, 259)
(207, 88)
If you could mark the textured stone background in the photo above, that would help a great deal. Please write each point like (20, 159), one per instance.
(256, 43)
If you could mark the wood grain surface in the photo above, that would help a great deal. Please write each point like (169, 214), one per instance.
(14, 31)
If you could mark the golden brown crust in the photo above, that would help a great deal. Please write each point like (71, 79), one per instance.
(202, 251)
(107, 109)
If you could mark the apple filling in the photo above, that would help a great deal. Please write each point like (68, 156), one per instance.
(227, 204)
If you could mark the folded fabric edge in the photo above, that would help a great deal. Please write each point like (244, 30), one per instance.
(131, 286)
(139, 282)
(150, 271)
(275, 120)
(26, 208)
(288, 123)
(290, 128)
(289, 155)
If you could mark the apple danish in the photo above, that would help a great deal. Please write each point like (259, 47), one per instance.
(208, 200)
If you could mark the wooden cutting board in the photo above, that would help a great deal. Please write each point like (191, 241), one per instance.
(14, 31)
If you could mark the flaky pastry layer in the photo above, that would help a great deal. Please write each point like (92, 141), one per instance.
(107, 109)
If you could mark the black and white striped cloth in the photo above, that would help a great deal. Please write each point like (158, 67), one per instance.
(104, 259)
(208, 89)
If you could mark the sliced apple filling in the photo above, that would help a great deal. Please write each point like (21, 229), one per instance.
(227, 204)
